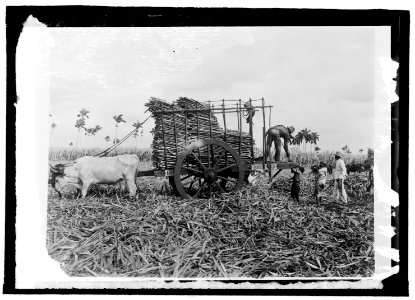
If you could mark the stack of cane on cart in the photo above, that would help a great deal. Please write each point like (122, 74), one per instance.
(191, 121)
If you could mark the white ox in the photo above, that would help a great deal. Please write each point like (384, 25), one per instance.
(89, 170)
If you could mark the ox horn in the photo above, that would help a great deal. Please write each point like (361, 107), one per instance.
(52, 168)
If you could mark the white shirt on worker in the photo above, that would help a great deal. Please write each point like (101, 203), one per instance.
(340, 169)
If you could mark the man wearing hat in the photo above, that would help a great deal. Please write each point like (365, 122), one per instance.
(339, 176)
(273, 135)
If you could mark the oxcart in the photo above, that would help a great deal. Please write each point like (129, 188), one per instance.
(198, 156)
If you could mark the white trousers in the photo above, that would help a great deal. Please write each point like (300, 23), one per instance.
(339, 190)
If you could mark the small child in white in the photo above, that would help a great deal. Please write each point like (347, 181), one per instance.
(320, 172)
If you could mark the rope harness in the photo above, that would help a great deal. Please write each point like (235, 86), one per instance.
(113, 147)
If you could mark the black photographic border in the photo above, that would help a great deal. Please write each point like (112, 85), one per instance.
(102, 16)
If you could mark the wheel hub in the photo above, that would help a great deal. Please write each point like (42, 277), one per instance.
(210, 175)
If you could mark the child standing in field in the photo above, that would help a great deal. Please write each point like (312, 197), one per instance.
(320, 181)
(296, 180)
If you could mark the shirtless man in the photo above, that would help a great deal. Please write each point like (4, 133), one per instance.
(273, 135)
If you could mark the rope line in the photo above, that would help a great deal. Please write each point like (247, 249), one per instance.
(111, 148)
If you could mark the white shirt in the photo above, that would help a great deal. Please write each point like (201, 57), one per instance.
(322, 175)
(340, 169)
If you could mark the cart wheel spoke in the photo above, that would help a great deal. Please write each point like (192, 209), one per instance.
(192, 170)
(198, 160)
(200, 189)
(218, 185)
(218, 160)
(185, 177)
(190, 187)
(227, 167)
(228, 179)
(208, 155)
(191, 183)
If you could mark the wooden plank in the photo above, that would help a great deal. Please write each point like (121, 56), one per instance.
(282, 165)
(286, 165)
(145, 173)
(162, 173)
(170, 111)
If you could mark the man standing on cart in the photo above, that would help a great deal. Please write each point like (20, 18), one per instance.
(273, 135)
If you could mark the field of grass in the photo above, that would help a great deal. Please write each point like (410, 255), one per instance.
(69, 154)
(252, 233)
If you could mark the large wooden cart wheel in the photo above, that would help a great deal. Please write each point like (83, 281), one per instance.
(207, 167)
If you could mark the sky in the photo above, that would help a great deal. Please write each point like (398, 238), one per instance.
(320, 78)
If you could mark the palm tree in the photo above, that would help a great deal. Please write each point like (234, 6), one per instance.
(361, 150)
(306, 136)
(118, 119)
(299, 137)
(88, 131)
(83, 113)
(96, 129)
(346, 149)
(317, 149)
(136, 125)
(92, 130)
(141, 139)
(293, 141)
(314, 137)
(70, 144)
(107, 138)
(80, 123)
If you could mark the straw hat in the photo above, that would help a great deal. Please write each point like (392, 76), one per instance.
(291, 129)
(339, 153)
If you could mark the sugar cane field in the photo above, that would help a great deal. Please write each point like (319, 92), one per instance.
(255, 232)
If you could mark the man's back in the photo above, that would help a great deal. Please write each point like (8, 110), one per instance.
(282, 130)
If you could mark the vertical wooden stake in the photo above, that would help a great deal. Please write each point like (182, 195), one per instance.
(263, 137)
(240, 126)
(224, 126)
(164, 142)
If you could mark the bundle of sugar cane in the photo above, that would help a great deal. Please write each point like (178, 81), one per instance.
(182, 123)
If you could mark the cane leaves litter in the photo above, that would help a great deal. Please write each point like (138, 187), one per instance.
(253, 233)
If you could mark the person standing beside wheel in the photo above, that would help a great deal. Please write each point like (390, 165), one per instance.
(339, 177)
